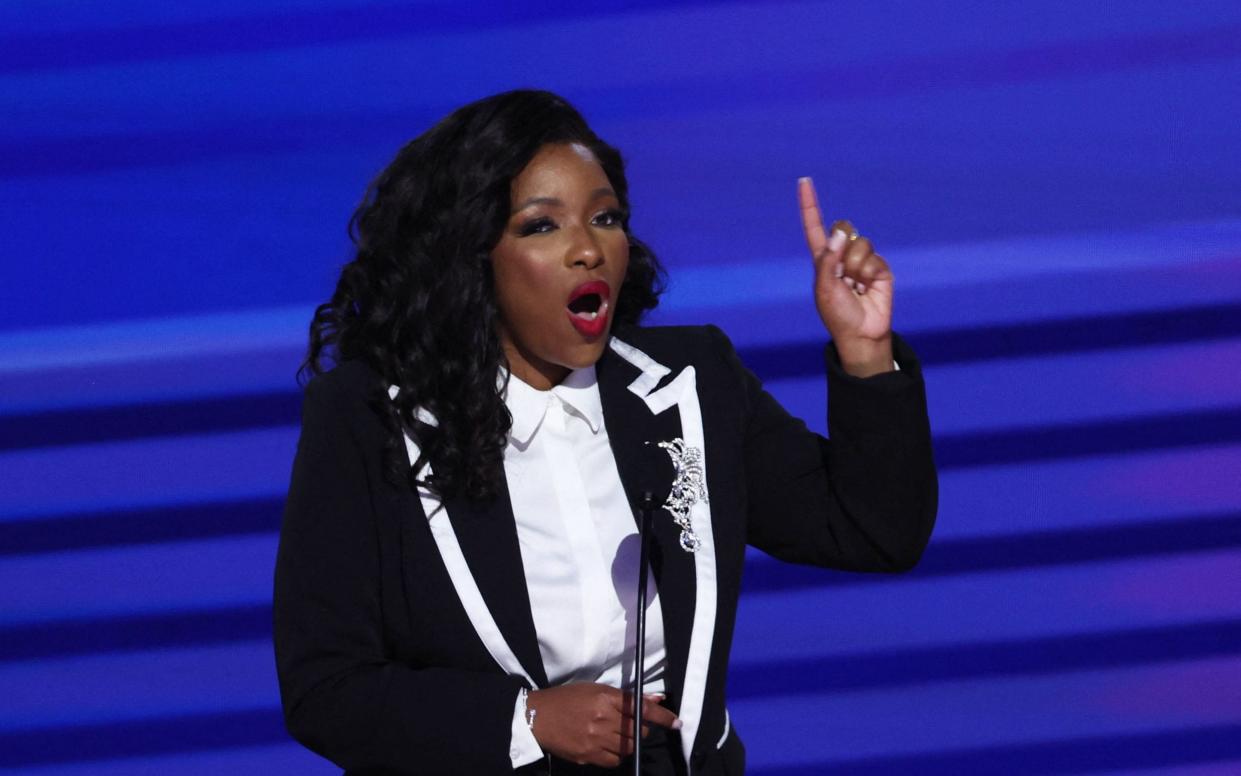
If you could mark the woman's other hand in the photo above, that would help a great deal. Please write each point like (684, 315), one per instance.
(852, 289)
(592, 723)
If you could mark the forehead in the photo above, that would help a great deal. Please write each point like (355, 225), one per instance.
(557, 168)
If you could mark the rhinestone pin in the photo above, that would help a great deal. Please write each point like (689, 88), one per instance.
(687, 489)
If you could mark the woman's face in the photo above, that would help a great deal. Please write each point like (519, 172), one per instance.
(559, 265)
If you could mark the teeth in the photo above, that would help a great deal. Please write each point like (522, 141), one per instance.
(590, 316)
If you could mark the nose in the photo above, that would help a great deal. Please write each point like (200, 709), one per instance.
(585, 251)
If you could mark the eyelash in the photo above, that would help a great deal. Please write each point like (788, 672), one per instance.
(534, 227)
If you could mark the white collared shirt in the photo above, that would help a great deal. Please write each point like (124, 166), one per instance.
(579, 544)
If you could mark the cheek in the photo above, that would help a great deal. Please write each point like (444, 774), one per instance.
(522, 288)
(615, 246)
(623, 251)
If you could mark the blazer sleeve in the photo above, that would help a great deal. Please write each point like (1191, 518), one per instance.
(343, 695)
(862, 500)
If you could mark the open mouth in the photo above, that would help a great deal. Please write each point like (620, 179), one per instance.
(588, 307)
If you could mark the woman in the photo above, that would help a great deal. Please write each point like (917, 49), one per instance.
(455, 584)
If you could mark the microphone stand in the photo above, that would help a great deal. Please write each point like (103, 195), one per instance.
(639, 663)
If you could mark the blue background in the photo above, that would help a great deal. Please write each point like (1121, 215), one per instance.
(1057, 186)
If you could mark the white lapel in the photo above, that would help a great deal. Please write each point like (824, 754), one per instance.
(458, 570)
(682, 392)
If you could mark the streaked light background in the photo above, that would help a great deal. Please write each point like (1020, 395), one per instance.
(1057, 185)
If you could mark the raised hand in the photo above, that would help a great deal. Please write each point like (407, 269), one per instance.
(592, 723)
(852, 289)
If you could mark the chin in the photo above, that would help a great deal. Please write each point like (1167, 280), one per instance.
(588, 354)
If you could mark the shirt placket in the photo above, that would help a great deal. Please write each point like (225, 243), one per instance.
(579, 530)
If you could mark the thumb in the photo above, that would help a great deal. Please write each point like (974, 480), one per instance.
(833, 295)
(834, 290)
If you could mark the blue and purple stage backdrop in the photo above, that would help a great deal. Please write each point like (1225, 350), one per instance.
(1057, 186)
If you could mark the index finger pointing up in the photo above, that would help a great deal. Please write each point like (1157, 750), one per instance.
(811, 218)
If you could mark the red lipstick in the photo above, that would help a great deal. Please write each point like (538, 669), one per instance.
(588, 307)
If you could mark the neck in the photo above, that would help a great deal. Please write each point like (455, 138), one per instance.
(540, 376)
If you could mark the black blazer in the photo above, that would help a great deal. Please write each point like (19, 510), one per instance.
(384, 669)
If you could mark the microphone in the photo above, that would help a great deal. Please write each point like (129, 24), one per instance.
(639, 663)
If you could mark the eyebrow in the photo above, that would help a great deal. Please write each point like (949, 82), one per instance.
(603, 191)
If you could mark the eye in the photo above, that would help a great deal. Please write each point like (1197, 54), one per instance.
(536, 226)
(610, 217)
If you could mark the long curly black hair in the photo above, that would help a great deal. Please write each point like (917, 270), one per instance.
(417, 301)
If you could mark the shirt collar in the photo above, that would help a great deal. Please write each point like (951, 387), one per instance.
(580, 390)
(528, 405)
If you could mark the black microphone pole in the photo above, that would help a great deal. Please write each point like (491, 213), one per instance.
(639, 661)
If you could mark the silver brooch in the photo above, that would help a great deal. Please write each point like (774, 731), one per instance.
(688, 487)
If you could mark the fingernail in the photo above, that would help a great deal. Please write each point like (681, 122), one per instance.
(676, 724)
(804, 179)
(837, 240)
(839, 269)
(861, 288)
